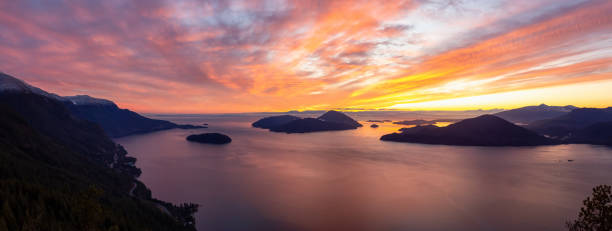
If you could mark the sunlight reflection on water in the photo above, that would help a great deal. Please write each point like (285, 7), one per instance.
(350, 180)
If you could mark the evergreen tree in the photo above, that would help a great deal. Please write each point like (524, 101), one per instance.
(596, 215)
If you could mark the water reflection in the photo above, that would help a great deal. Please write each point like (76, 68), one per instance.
(350, 180)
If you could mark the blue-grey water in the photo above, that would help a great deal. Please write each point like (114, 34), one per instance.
(349, 180)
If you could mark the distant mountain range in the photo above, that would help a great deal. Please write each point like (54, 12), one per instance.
(424, 122)
(330, 121)
(526, 115)
(116, 122)
(564, 127)
(566, 124)
(597, 133)
(61, 172)
(486, 130)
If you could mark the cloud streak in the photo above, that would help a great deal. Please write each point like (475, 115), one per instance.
(236, 56)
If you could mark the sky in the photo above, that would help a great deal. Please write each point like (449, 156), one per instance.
(213, 56)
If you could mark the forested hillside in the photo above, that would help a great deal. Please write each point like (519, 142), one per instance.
(47, 185)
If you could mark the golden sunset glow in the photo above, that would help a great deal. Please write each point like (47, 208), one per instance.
(251, 56)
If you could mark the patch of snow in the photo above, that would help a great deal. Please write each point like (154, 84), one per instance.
(87, 100)
(12, 84)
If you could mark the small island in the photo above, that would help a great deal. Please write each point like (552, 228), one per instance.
(330, 121)
(374, 125)
(210, 138)
(307, 125)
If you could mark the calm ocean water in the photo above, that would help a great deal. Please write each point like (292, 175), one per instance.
(349, 180)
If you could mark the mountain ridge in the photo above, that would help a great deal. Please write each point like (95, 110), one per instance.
(563, 126)
(74, 170)
(529, 114)
(485, 130)
(115, 121)
(339, 117)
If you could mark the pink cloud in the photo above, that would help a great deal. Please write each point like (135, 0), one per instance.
(220, 56)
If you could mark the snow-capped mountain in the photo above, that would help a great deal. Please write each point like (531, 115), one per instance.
(87, 100)
(11, 84)
(115, 121)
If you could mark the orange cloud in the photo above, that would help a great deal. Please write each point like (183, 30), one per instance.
(222, 56)
(512, 61)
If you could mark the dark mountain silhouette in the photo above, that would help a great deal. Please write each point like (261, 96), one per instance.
(55, 165)
(486, 130)
(51, 118)
(210, 138)
(330, 121)
(339, 117)
(43, 182)
(424, 122)
(414, 122)
(10, 84)
(274, 121)
(115, 121)
(563, 126)
(526, 115)
(378, 121)
(311, 125)
(598, 133)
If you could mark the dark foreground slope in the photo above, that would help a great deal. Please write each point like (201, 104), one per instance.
(60, 172)
(115, 121)
(486, 130)
(46, 184)
(51, 118)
